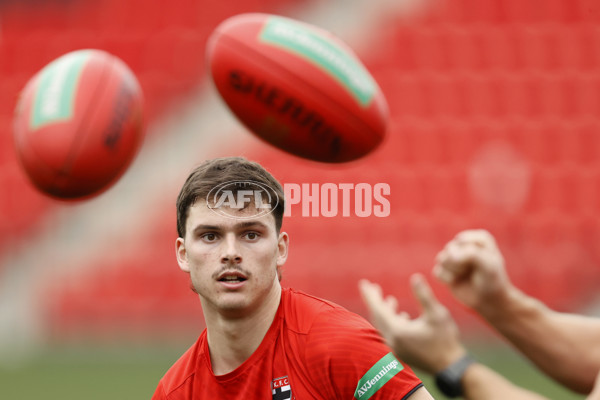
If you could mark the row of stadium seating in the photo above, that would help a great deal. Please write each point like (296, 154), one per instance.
(549, 48)
(513, 11)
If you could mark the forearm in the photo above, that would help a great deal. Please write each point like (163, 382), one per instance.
(565, 346)
(481, 383)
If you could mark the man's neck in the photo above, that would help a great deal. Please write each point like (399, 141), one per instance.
(231, 341)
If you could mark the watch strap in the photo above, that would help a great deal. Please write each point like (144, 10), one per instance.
(449, 380)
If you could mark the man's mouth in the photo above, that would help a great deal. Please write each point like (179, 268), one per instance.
(232, 277)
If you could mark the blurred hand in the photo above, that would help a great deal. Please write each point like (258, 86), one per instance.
(430, 342)
(473, 268)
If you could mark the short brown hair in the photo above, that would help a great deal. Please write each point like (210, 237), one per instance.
(213, 172)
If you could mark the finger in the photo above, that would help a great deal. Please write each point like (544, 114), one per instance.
(443, 274)
(381, 313)
(441, 256)
(478, 237)
(370, 293)
(459, 260)
(403, 315)
(372, 296)
(378, 306)
(424, 294)
(455, 254)
(391, 302)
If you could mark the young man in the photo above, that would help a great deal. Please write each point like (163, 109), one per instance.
(263, 341)
(565, 346)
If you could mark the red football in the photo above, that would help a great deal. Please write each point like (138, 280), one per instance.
(79, 124)
(298, 87)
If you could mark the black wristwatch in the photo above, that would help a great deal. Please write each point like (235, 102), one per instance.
(449, 380)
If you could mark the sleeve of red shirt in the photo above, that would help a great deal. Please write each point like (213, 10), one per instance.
(159, 394)
(347, 358)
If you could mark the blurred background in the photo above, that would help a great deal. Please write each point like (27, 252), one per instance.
(495, 117)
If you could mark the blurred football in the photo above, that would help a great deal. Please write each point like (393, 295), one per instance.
(298, 87)
(78, 124)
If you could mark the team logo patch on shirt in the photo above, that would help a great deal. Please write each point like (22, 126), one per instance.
(377, 376)
(281, 388)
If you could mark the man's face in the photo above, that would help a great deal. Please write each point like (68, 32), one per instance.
(232, 262)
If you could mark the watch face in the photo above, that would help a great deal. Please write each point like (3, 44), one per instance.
(450, 387)
(449, 380)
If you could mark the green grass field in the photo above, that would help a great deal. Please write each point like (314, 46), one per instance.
(132, 374)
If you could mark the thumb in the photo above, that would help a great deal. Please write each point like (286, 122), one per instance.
(424, 294)
(372, 296)
(382, 312)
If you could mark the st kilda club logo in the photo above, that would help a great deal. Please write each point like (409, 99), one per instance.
(281, 388)
(242, 199)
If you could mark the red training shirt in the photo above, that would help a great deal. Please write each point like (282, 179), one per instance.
(314, 349)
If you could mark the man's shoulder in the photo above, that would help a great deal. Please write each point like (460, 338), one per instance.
(184, 369)
(305, 312)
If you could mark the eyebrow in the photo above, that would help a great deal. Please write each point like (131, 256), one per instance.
(249, 224)
(206, 228)
(245, 224)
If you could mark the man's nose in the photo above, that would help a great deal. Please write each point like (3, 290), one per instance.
(231, 253)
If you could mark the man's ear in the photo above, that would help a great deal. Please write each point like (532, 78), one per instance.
(282, 248)
(181, 254)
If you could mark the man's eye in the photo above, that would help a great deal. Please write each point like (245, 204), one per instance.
(209, 237)
(252, 235)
